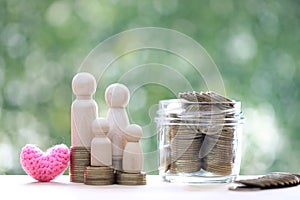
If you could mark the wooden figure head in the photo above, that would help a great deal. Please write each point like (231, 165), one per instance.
(117, 95)
(84, 84)
(100, 126)
(133, 133)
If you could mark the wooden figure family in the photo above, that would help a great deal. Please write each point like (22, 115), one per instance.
(113, 141)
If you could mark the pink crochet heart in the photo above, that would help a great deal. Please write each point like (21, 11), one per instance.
(47, 166)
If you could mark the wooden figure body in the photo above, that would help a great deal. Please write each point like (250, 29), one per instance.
(101, 148)
(84, 109)
(117, 97)
(133, 156)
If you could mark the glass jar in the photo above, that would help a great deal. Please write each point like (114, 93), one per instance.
(199, 142)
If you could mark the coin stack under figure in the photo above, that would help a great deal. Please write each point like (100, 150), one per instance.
(132, 158)
(101, 171)
(80, 158)
(202, 143)
(104, 150)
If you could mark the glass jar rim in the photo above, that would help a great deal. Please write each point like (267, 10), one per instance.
(199, 122)
(176, 106)
(174, 112)
(168, 101)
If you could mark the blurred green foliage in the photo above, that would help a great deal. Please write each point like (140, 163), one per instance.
(254, 43)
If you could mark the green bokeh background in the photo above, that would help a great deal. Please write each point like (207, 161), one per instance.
(254, 43)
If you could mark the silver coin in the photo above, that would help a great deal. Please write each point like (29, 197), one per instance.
(124, 178)
(98, 175)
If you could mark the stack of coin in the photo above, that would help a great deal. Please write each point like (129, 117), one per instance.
(99, 175)
(124, 178)
(218, 153)
(272, 180)
(80, 157)
(185, 146)
(223, 102)
(202, 139)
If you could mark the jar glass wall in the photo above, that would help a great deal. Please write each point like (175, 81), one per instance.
(199, 142)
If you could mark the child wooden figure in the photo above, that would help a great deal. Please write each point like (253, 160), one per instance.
(84, 109)
(101, 149)
(133, 155)
(117, 97)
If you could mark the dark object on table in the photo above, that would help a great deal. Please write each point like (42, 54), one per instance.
(269, 181)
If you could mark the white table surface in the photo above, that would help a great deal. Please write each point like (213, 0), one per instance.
(24, 187)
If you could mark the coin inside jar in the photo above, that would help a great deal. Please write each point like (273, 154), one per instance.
(201, 135)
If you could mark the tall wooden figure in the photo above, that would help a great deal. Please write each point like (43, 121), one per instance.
(101, 150)
(117, 97)
(133, 156)
(84, 110)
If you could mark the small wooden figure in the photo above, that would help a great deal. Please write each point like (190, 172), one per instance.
(117, 97)
(101, 149)
(84, 109)
(133, 156)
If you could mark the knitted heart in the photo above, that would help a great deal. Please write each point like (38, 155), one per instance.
(46, 166)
